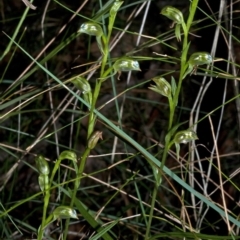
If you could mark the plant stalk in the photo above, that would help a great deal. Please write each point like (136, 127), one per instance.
(91, 125)
(173, 106)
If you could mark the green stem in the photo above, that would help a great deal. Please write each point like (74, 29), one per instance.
(46, 200)
(173, 105)
(91, 125)
(76, 186)
(171, 115)
(45, 206)
(151, 211)
(91, 122)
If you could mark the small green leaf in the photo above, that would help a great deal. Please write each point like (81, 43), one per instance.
(112, 14)
(88, 98)
(42, 165)
(184, 62)
(70, 155)
(92, 29)
(177, 150)
(185, 136)
(162, 87)
(64, 212)
(178, 32)
(184, 53)
(173, 85)
(157, 176)
(173, 14)
(43, 181)
(190, 69)
(92, 141)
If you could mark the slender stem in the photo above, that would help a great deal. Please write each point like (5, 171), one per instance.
(91, 124)
(76, 186)
(45, 206)
(46, 199)
(154, 195)
(192, 11)
(186, 29)
(171, 115)
(173, 105)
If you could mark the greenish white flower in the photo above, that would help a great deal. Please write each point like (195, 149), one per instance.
(162, 87)
(82, 84)
(70, 155)
(93, 140)
(126, 64)
(185, 136)
(196, 59)
(200, 58)
(64, 212)
(173, 14)
(91, 28)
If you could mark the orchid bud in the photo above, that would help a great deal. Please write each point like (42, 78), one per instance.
(92, 141)
(173, 14)
(157, 175)
(112, 14)
(200, 58)
(64, 212)
(70, 155)
(162, 87)
(177, 17)
(82, 84)
(185, 136)
(115, 7)
(42, 165)
(92, 29)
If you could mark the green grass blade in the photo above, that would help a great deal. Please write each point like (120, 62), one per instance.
(105, 230)
(15, 32)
